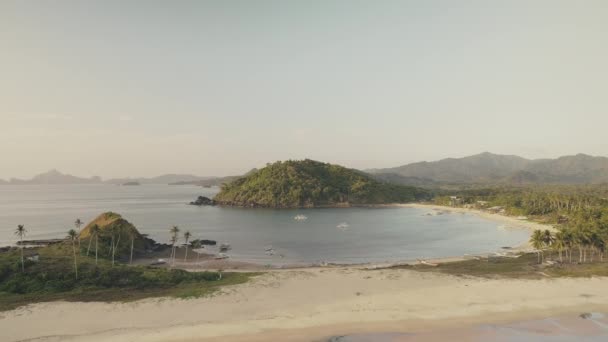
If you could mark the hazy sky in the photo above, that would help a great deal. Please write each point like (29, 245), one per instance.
(117, 88)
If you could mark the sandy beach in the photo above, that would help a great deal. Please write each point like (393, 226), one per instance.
(510, 221)
(311, 304)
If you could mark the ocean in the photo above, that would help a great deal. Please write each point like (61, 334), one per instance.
(339, 235)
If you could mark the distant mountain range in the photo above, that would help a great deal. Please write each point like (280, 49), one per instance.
(486, 168)
(56, 177)
(163, 179)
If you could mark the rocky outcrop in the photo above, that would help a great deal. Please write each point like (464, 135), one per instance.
(202, 200)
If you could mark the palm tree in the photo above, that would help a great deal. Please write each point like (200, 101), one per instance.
(72, 236)
(174, 238)
(548, 240)
(132, 242)
(78, 223)
(597, 244)
(95, 232)
(196, 244)
(569, 244)
(114, 247)
(583, 239)
(187, 236)
(538, 242)
(559, 243)
(90, 239)
(21, 231)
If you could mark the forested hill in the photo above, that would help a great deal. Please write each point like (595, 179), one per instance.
(309, 183)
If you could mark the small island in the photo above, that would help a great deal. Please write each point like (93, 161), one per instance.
(309, 184)
(131, 184)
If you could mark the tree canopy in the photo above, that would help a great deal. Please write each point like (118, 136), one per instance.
(309, 183)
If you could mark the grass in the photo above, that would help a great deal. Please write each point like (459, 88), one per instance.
(524, 267)
(53, 278)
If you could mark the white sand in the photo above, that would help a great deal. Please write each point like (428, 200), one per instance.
(507, 220)
(308, 305)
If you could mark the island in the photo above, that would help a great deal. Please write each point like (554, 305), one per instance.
(309, 184)
(131, 184)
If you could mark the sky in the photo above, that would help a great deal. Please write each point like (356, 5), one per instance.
(141, 88)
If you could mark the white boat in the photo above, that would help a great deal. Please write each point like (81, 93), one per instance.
(269, 248)
(424, 262)
(221, 256)
(300, 217)
(342, 226)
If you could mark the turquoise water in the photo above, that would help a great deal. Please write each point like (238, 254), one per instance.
(372, 235)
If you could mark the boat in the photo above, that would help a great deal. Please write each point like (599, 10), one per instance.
(225, 247)
(342, 225)
(424, 262)
(300, 217)
(270, 252)
(221, 256)
(269, 248)
(158, 262)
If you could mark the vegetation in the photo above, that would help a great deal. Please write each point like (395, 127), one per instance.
(488, 168)
(308, 183)
(52, 277)
(523, 267)
(187, 236)
(114, 237)
(174, 238)
(579, 213)
(20, 232)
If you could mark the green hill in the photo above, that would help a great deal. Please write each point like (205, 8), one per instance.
(309, 183)
(113, 226)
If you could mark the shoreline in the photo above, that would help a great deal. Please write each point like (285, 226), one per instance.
(312, 304)
(512, 222)
(239, 265)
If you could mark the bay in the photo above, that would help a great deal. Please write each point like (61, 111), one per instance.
(341, 235)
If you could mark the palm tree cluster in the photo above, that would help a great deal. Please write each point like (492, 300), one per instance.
(174, 231)
(588, 242)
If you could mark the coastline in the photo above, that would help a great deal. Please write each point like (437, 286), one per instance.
(510, 220)
(237, 265)
(312, 305)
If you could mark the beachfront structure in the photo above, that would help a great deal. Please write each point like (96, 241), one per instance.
(456, 201)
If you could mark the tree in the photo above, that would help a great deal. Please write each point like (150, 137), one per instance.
(538, 242)
(132, 242)
(187, 236)
(115, 246)
(90, 239)
(548, 239)
(196, 244)
(72, 235)
(95, 232)
(78, 223)
(20, 232)
(559, 243)
(174, 238)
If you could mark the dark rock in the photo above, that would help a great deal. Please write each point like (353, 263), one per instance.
(42, 242)
(202, 200)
